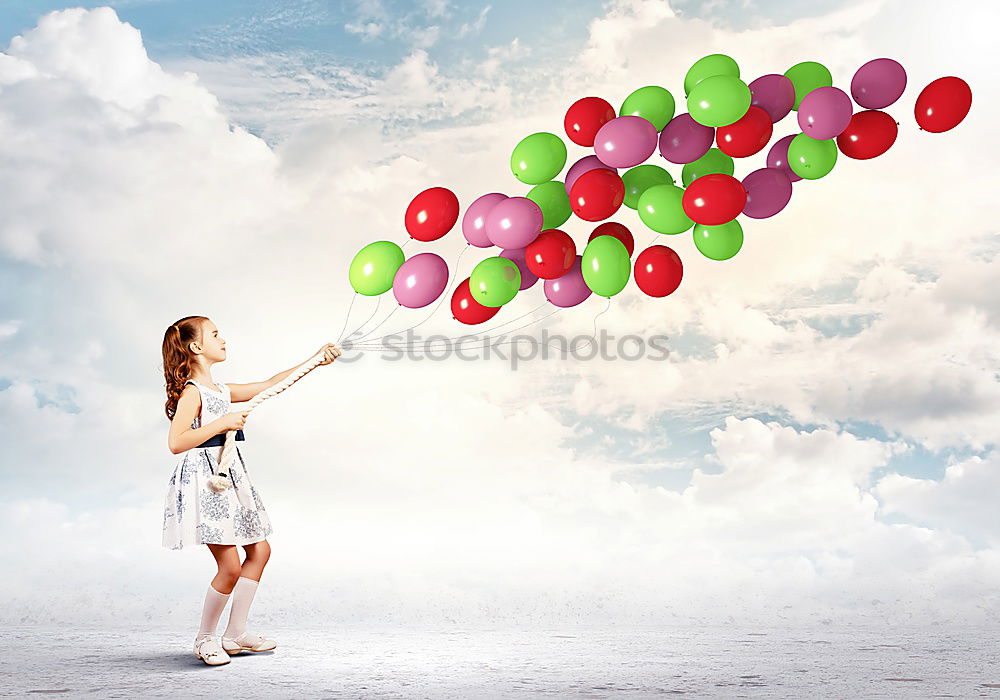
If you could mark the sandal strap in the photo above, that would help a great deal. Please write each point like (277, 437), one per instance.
(202, 643)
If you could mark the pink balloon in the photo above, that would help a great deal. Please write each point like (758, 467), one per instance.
(420, 280)
(570, 289)
(683, 140)
(825, 112)
(474, 221)
(878, 83)
(516, 255)
(768, 192)
(514, 222)
(625, 141)
(773, 93)
(581, 166)
(777, 157)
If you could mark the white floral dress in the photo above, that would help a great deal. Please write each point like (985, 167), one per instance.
(194, 514)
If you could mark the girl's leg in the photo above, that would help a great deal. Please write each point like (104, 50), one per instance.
(228, 560)
(218, 591)
(257, 555)
(246, 587)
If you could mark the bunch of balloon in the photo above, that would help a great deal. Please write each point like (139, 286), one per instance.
(510, 223)
(726, 120)
(597, 191)
(421, 279)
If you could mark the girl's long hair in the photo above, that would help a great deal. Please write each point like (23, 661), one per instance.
(177, 358)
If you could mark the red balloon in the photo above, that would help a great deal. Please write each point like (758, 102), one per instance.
(714, 199)
(869, 134)
(747, 135)
(431, 214)
(597, 194)
(466, 309)
(611, 228)
(585, 117)
(551, 255)
(658, 271)
(943, 104)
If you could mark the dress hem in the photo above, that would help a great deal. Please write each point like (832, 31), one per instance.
(235, 544)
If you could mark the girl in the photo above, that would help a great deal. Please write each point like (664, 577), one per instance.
(193, 514)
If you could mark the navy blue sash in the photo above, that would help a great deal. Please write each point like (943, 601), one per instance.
(220, 439)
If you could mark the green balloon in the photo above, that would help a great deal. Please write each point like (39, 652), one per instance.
(538, 158)
(494, 281)
(374, 267)
(706, 67)
(640, 178)
(606, 266)
(719, 242)
(715, 161)
(806, 77)
(660, 208)
(719, 100)
(811, 158)
(552, 199)
(652, 102)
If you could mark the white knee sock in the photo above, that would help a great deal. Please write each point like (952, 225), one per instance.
(243, 594)
(215, 602)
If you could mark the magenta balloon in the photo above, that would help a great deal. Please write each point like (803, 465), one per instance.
(773, 93)
(516, 255)
(825, 112)
(625, 141)
(474, 221)
(777, 157)
(514, 222)
(684, 140)
(570, 289)
(878, 83)
(420, 280)
(581, 166)
(768, 192)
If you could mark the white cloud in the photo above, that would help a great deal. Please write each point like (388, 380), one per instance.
(372, 21)
(956, 503)
(777, 542)
(436, 8)
(476, 26)
(367, 30)
(8, 329)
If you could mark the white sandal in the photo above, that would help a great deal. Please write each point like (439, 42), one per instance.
(247, 642)
(210, 651)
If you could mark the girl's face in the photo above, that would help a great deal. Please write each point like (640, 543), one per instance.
(212, 346)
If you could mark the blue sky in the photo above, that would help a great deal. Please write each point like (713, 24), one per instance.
(173, 28)
(224, 28)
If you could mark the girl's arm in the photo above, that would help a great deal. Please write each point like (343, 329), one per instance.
(182, 436)
(245, 392)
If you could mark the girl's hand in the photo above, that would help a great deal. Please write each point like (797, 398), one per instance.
(330, 353)
(234, 420)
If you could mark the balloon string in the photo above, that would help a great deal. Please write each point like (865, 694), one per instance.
(367, 320)
(413, 345)
(513, 320)
(488, 330)
(347, 318)
(379, 324)
(444, 295)
(607, 306)
(592, 338)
